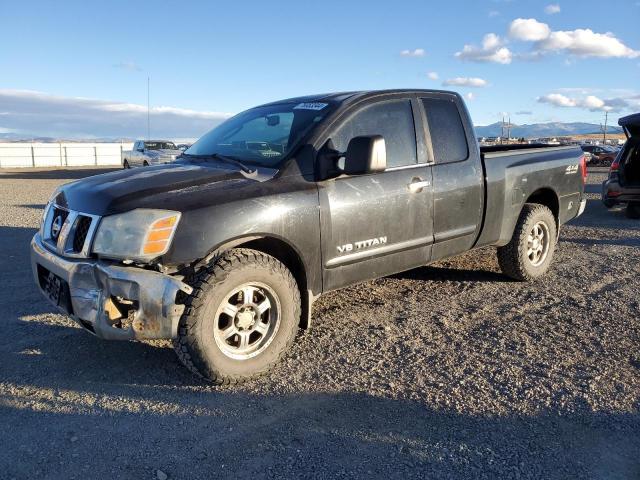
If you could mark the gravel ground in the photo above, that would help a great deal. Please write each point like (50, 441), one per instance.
(449, 371)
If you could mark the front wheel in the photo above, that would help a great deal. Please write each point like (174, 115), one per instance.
(242, 316)
(529, 253)
(126, 165)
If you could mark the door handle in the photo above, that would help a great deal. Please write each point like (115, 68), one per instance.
(417, 184)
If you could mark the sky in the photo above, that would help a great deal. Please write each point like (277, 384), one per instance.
(79, 69)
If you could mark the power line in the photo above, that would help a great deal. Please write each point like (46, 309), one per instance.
(604, 130)
(148, 112)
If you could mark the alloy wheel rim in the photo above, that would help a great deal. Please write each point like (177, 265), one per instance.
(247, 320)
(538, 244)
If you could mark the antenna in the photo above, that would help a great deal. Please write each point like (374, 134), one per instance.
(148, 112)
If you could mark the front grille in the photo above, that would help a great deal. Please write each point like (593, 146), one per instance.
(59, 217)
(67, 231)
(83, 223)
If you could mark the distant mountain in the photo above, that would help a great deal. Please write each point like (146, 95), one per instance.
(536, 130)
(21, 137)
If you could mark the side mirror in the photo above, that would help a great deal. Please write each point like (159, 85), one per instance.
(273, 120)
(365, 155)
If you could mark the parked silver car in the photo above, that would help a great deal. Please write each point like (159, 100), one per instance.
(150, 152)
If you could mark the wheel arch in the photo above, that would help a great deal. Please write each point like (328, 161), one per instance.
(285, 253)
(549, 198)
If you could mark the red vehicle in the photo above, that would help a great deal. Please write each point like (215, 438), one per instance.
(600, 154)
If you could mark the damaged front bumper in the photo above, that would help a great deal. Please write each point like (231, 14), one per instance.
(113, 302)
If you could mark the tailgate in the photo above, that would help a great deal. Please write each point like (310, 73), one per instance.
(631, 125)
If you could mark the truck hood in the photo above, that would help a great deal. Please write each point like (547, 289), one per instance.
(173, 186)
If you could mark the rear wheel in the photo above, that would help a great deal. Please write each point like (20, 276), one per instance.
(609, 203)
(242, 316)
(529, 253)
(126, 165)
(633, 210)
(145, 164)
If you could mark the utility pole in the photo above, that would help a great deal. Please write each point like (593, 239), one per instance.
(604, 130)
(148, 112)
(509, 129)
(502, 130)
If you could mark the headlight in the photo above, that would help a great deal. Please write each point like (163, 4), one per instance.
(141, 234)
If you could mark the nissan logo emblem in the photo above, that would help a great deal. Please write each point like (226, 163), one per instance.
(56, 226)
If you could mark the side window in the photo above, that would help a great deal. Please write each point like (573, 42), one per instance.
(393, 120)
(447, 131)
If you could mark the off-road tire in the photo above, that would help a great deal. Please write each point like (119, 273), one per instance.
(513, 259)
(633, 210)
(195, 344)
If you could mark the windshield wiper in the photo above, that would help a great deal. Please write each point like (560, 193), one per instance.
(222, 158)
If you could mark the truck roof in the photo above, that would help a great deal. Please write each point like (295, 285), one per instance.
(340, 97)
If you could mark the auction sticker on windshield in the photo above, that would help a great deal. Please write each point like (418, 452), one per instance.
(310, 106)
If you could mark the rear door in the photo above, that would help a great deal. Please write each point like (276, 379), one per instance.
(458, 178)
(377, 224)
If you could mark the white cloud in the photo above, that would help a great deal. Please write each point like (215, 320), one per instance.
(418, 52)
(129, 65)
(466, 82)
(433, 75)
(581, 42)
(44, 114)
(493, 13)
(592, 103)
(578, 43)
(587, 43)
(552, 9)
(557, 100)
(470, 96)
(491, 41)
(528, 29)
(524, 112)
(492, 50)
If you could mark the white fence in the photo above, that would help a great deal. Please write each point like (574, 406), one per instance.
(13, 155)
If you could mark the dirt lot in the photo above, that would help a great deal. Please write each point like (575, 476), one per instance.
(450, 371)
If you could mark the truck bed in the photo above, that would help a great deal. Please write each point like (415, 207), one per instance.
(513, 174)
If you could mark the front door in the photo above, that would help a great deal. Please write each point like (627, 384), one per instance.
(381, 223)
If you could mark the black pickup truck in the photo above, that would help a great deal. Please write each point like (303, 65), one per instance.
(225, 250)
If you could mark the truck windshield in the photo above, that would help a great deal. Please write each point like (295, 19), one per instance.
(263, 135)
(159, 146)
